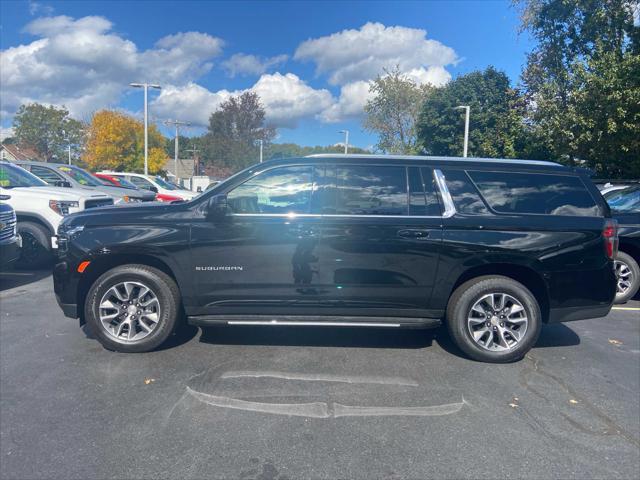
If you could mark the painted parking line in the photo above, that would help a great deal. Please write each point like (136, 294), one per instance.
(632, 309)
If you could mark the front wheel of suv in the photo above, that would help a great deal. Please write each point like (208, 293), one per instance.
(132, 308)
(494, 319)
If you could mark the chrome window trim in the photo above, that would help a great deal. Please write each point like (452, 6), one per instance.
(449, 206)
(479, 160)
(449, 209)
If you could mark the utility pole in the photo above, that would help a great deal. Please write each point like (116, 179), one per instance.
(177, 124)
(261, 142)
(467, 109)
(346, 140)
(196, 163)
(69, 147)
(146, 86)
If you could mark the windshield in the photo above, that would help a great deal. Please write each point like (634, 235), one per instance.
(126, 183)
(160, 181)
(80, 176)
(12, 176)
(626, 200)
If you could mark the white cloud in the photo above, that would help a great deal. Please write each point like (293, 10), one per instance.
(352, 55)
(286, 100)
(192, 103)
(243, 64)
(350, 104)
(82, 64)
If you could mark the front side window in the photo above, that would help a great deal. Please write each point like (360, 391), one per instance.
(46, 174)
(371, 190)
(141, 182)
(509, 192)
(279, 190)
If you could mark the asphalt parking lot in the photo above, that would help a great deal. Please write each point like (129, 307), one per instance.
(289, 403)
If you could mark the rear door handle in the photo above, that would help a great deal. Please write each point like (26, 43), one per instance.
(413, 233)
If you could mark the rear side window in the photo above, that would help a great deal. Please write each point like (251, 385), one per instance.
(371, 190)
(423, 200)
(508, 192)
(464, 194)
(141, 182)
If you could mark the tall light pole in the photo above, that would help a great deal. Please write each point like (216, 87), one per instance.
(261, 142)
(346, 140)
(146, 120)
(467, 109)
(177, 124)
(69, 148)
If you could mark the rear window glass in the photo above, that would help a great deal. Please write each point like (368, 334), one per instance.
(371, 190)
(508, 192)
(464, 194)
(422, 195)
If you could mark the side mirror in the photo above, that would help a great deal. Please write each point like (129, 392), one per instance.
(153, 189)
(217, 207)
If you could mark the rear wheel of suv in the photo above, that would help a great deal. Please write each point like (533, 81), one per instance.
(132, 308)
(494, 319)
(36, 249)
(628, 275)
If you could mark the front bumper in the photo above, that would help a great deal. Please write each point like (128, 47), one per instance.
(65, 287)
(10, 251)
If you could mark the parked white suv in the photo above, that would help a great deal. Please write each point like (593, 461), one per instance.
(155, 184)
(39, 210)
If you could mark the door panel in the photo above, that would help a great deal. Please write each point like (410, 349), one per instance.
(373, 252)
(263, 255)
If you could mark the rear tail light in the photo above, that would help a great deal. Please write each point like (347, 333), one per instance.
(610, 234)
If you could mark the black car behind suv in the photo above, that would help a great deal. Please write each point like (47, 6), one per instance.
(492, 248)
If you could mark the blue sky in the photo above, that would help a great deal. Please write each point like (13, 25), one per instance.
(309, 61)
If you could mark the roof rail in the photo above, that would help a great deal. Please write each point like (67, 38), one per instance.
(421, 157)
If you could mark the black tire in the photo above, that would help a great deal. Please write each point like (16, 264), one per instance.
(465, 297)
(36, 246)
(163, 287)
(633, 276)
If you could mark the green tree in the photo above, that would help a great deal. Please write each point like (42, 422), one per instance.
(581, 80)
(234, 131)
(49, 130)
(393, 111)
(496, 126)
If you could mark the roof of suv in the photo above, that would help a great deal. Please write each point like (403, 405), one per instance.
(507, 164)
(434, 159)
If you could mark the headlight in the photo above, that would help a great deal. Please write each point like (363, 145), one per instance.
(129, 199)
(61, 207)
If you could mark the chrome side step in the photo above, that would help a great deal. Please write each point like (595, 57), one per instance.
(312, 324)
(313, 321)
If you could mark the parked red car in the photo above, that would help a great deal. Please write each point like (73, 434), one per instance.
(121, 182)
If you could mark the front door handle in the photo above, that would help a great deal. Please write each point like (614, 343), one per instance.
(414, 233)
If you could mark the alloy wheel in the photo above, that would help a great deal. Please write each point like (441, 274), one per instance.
(624, 274)
(497, 322)
(129, 311)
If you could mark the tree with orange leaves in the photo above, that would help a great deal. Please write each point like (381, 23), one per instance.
(115, 141)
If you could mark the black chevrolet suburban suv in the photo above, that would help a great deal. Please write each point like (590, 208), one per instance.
(492, 248)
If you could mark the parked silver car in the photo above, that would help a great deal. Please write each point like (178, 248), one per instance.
(61, 175)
